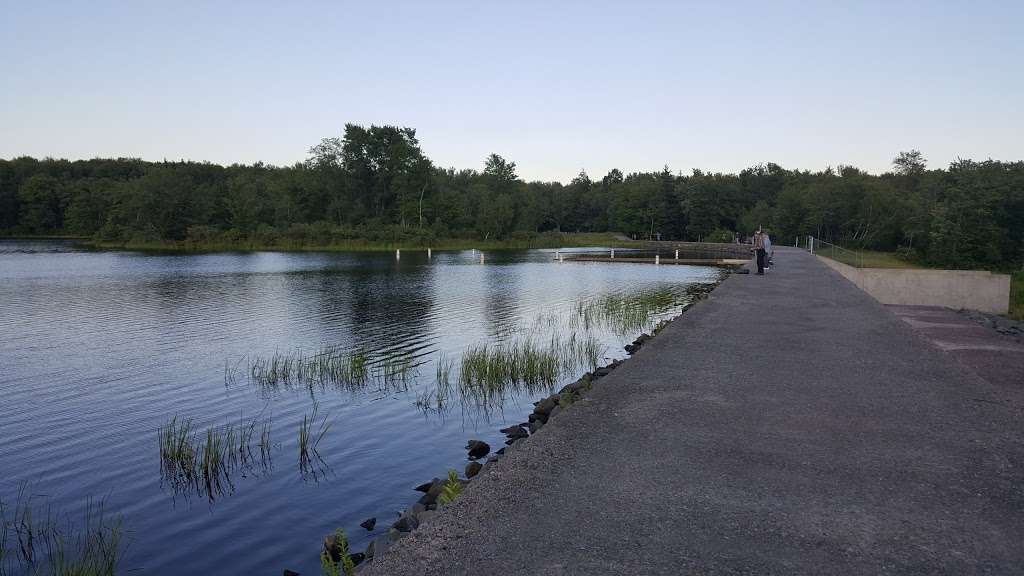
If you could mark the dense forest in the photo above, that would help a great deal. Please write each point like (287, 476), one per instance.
(376, 184)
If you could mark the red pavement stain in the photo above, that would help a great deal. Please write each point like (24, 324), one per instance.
(995, 357)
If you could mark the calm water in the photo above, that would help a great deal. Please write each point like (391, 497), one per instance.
(98, 350)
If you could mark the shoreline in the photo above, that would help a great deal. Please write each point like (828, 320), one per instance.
(482, 458)
(582, 240)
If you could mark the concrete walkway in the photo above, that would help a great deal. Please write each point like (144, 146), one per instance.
(788, 425)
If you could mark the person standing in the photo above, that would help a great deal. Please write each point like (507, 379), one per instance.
(758, 247)
(767, 251)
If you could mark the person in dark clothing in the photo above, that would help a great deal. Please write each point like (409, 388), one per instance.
(759, 249)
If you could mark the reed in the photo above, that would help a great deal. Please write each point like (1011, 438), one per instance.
(487, 370)
(206, 462)
(628, 313)
(40, 540)
(329, 366)
(312, 430)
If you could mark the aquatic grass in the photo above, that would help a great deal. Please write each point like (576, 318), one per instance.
(41, 541)
(491, 370)
(206, 462)
(311, 432)
(329, 367)
(626, 313)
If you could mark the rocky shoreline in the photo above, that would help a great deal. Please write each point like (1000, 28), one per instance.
(426, 507)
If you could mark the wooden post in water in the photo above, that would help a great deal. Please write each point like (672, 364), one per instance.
(481, 256)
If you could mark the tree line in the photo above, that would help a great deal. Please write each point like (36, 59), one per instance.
(376, 184)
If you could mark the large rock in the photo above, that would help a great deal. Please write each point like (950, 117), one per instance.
(357, 558)
(369, 523)
(425, 487)
(407, 523)
(379, 546)
(473, 468)
(535, 426)
(517, 432)
(288, 572)
(432, 494)
(477, 449)
(546, 405)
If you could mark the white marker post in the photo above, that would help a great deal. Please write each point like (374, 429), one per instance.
(657, 259)
(398, 254)
(613, 254)
(677, 254)
(428, 253)
(481, 257)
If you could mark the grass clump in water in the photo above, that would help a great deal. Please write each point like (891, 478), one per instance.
(36, 541)
(206, 462)
(627, 313)
(311, 432)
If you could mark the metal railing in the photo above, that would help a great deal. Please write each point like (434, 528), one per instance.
(837, 253)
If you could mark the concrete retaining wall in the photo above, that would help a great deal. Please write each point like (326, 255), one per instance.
(970, 289)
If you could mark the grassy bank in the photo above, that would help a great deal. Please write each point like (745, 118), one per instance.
(567, 240)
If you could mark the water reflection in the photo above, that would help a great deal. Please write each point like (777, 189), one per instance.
(102, 349)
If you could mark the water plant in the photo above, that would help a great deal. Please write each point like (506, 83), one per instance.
(626, 313)
(40, 540)
(328, 367)
(311, 432)
(206, 462)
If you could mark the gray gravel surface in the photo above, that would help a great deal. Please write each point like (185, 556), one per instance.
(789, 424)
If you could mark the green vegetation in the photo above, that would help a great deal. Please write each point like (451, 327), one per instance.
(330, 366)
(487, 371)
(338, 548)
(624, 313)
(373, 188)
(522, 242)
(452, 488)
(38, 540)
(1017, 296)
(311, 432)
(206, 463)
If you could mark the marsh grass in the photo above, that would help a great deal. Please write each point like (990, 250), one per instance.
(311, 431)
(206, 462)
(330, 367)
(625, 313)
(36, 539)
(490, 371)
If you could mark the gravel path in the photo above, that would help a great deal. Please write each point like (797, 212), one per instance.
(789, 424)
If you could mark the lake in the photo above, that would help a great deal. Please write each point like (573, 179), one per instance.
(99, 351)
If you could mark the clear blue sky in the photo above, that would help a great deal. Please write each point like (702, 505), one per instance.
(554, 86)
